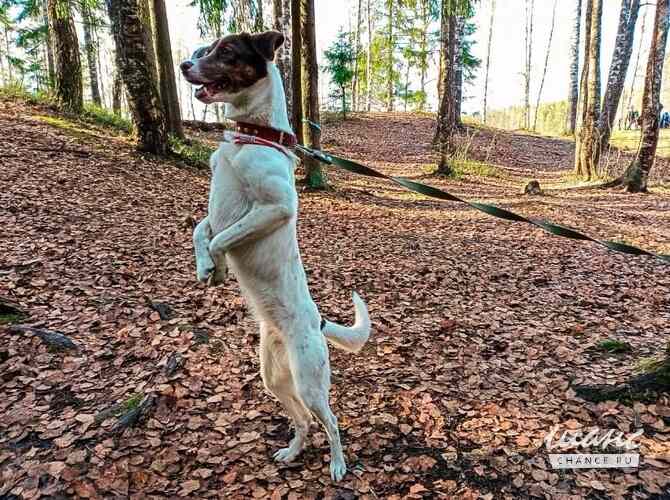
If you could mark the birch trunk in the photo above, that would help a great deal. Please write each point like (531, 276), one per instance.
(618, 69)
(637, 175)
(546, 65)
(296, 70)
(588, 146)
(530, 17)
(488, 58)
(573, 93)
(281, 10)
(91, 54)
(390, 58)
(368, 62)
(357, 50)
(131, 27)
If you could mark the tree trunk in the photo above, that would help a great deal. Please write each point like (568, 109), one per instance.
(423, 47)
(130, 25)
(259, 24)
(51, 73)
(488, 58)
(530, 21)
(166, 77)
(458, 75)
(69, 87)
(446, 118)
(281, 13)
(91, 53)
(296, 70)
(368, 62)
(573, 94)
(315, 176)
(357, 49)
(637, 62)
(390, 57)
(587, 153)
(618, 69)
(546, 65)
(637, 175)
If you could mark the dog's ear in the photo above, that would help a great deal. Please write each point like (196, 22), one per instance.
(267, 43)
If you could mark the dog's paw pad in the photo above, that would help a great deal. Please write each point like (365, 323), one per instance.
(337, 470)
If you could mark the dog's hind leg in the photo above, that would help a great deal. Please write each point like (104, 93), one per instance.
(278, 381)
(310, 367)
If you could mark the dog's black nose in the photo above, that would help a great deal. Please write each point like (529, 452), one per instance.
(185, 66)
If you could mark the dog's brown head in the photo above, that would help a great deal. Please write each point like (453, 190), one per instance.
(230, 65)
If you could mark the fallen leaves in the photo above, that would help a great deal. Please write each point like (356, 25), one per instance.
(478, 329)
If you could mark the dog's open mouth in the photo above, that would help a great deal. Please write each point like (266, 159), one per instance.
(210, 89)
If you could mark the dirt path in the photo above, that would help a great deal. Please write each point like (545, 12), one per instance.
(479, 327)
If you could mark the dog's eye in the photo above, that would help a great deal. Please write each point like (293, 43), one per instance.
(225, 50)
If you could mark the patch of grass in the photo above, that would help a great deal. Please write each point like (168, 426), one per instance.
(15, 91)
(106, 118)
(10, 318)
(615, 346)
(132, 402)
(462, 168)
(71, 128)
(192, 152)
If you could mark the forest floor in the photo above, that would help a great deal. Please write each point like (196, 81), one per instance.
(479, 325)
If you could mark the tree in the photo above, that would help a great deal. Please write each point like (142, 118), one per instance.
(546, 64)
(168, 84)
(340, 57)
(390, 55)
(637, 62)
(368, 62)
(446, 118)
(69, 86)
(573, 94)
(530, 21)
(131, 27)
(91, 50)
(623, 50)
(587, 150)
(296, 70)
(281, 12)
(356, 51)
(636, 177)
(488, 57)
(315, 177)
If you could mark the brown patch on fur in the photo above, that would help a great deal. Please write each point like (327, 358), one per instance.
(236, 62)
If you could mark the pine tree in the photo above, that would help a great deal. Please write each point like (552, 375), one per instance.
(69, 85)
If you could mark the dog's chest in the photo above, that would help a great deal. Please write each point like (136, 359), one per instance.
(228, 195)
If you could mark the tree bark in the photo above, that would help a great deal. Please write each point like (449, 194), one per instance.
(637, 62)
(390, 56)
(546, 65)
(587, 153)
(637, 175)
(458, 74)
(296, 70)
(130, 25)
(618, 69)
(51, 73)
(368, 62)
(530, 20)
(117, 92)
(91, 53)
(281, 12)
(314, 175)
(573, 94)
(446, 118)
(488, 58)
(357, 49)
(69, 86)
(166, 76)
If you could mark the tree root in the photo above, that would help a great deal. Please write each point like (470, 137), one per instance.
(53, 339)
(643, 386)
(135, 415)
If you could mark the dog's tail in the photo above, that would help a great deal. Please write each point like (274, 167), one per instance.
(353, 338)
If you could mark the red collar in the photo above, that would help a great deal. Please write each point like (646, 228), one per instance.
(267, 134)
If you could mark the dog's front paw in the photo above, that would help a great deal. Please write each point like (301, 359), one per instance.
(337, 469)
(205, 269)
(286, 455)
(219, 275)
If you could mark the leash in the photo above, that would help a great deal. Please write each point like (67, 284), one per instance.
(426, 190)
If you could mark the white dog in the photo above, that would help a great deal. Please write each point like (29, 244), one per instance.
(251, 229)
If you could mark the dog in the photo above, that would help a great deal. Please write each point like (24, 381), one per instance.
(251, 230)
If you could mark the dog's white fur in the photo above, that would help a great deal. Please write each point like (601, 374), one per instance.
(251, 228)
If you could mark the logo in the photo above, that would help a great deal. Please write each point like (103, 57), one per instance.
(596, 438)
